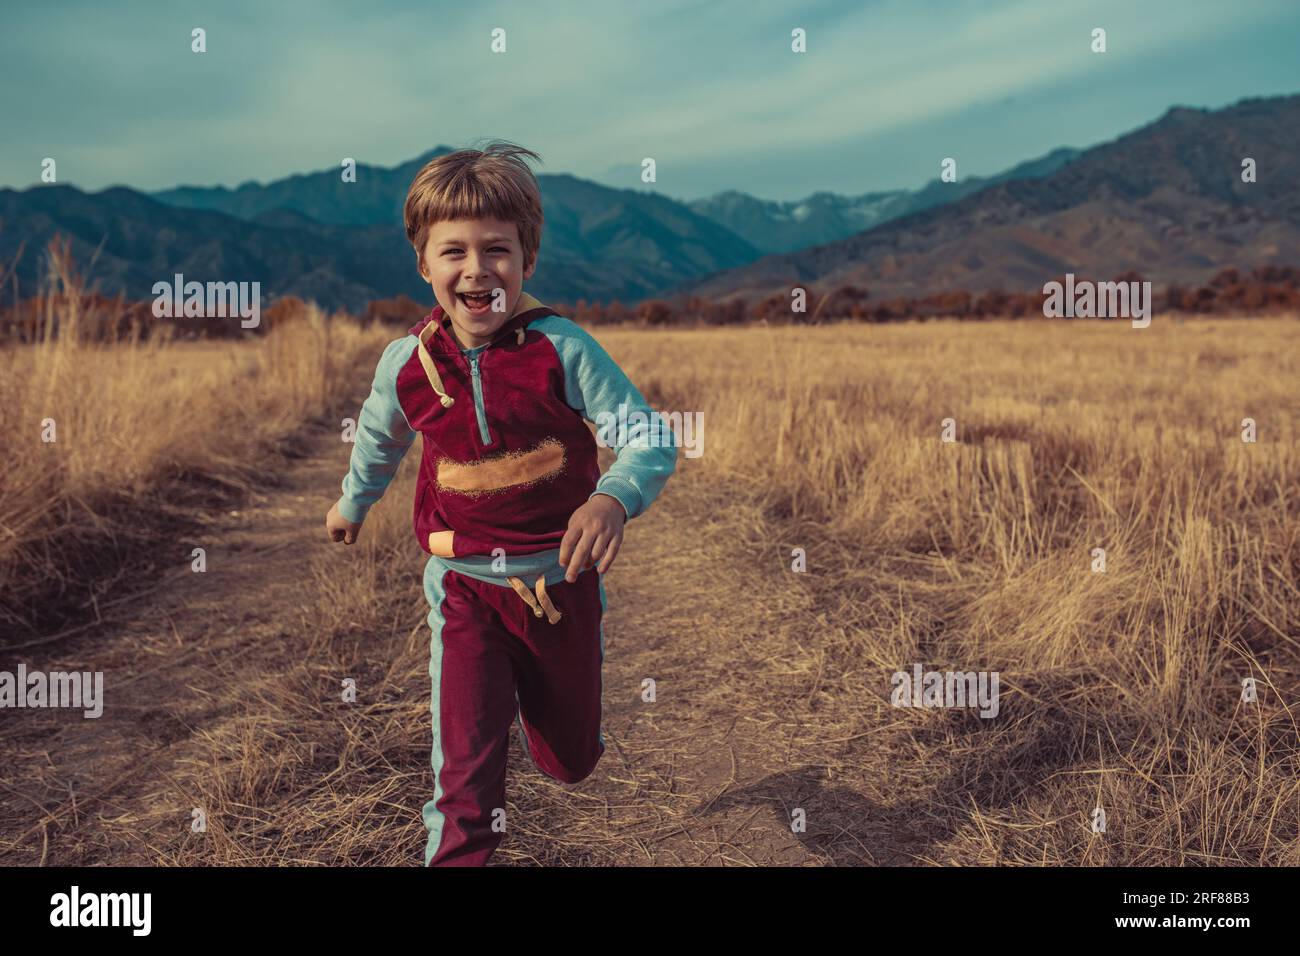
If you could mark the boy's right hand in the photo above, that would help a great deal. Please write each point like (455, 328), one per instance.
(339, 527)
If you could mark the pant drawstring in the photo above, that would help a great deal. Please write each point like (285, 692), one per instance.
(540, 604)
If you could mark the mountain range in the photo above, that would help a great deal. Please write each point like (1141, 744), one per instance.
(1166, 200)
(823, 217)
(1169, 201)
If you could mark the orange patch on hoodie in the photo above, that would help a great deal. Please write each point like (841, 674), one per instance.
(511, 470)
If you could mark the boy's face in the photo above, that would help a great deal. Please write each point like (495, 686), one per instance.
(475, 255)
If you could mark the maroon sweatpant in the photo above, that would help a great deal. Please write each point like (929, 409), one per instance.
(492, 660)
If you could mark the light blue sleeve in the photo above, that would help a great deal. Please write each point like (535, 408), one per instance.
(383, 436)
(596, 387)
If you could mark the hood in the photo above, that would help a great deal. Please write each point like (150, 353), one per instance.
(435, 334)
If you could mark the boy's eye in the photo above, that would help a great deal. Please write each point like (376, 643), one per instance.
(458, 249)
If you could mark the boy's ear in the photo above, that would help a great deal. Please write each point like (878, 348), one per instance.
(532, 265)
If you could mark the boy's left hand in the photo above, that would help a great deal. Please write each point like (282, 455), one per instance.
(595, 533)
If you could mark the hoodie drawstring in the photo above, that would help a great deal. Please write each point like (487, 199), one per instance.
(542, 603)
(431, 370)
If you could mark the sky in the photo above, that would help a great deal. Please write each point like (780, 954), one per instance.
(710, 90)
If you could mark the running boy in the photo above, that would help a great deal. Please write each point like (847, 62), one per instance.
(509, 500)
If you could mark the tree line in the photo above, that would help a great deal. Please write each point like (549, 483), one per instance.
(1265, 289)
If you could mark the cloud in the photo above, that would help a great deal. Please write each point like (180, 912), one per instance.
(591, 86)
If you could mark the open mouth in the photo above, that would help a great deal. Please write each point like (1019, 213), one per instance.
(476, 302)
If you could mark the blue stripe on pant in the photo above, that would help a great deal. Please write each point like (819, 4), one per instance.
(434, 574)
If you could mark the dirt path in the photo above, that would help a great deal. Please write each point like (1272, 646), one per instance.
(708, 772)
(78, 790)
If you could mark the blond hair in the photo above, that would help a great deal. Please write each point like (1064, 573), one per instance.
(491, 183)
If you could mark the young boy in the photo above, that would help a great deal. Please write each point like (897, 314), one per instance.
(509, 503)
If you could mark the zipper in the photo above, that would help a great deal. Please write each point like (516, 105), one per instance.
(479, 410)
(476, 379)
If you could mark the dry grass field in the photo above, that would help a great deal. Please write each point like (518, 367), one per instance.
(1120, 689)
